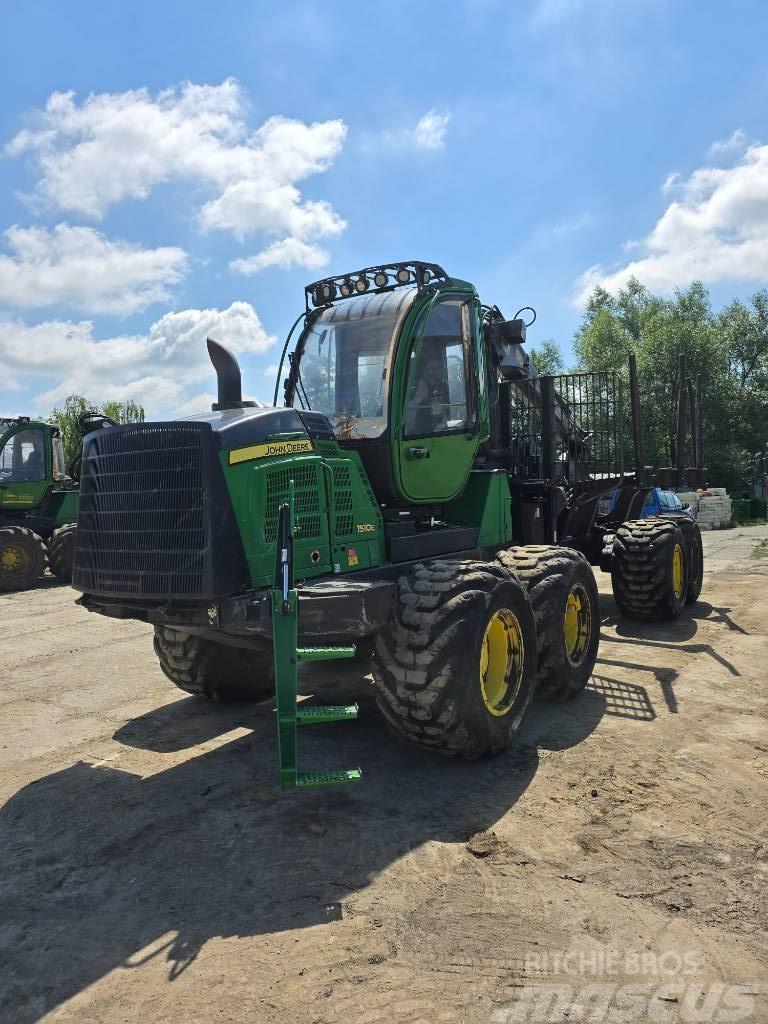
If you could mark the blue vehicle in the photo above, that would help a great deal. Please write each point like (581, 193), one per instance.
(658, 503)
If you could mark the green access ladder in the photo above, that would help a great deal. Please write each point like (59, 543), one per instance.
(287, 655)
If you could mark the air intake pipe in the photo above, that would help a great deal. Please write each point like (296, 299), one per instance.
(228, 377)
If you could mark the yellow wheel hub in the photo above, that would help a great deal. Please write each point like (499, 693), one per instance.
(577, 624)
(678, 571)
(13, 558)
(502, 656)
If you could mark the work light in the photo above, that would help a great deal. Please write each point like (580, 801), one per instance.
(361, 285)
(380, 279)
(346, 288)
(403, 276)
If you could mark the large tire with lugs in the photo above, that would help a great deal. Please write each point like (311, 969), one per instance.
(650, 569)
(563, 594)
(695, 550)
(205, 668)
(456, 670)
(23, 558)
(61, 552)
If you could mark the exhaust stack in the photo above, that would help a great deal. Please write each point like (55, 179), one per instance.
(228, 377)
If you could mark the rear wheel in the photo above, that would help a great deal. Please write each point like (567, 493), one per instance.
(205, 668)
(456, 671)
(22, 558)
(650, 569)
(695, 551)
(61, 552)
(563, 594)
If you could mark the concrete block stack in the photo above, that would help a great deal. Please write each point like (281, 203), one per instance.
(691, 498)
(714, 509)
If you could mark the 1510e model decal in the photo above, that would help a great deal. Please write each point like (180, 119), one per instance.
(262, 451)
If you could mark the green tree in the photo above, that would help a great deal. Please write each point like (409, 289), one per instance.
(729, 350)
(547, 358)
(74, 407)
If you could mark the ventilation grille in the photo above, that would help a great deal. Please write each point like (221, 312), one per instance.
(156, 520)
(343, 520)
(307, 486)
(328, 449)
(142, 526)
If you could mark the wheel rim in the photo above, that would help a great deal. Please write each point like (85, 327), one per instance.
(502, 656)
(678, 570)
(13, 558)
(577, 624)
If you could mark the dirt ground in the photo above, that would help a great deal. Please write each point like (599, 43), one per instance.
(153, 871)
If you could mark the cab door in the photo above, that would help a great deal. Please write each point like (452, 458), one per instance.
(437, 438)
(25, 468)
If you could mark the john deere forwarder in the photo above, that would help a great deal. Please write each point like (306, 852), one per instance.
(38, 499)
(422, 487)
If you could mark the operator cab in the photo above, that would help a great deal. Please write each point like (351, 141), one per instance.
(394, 372)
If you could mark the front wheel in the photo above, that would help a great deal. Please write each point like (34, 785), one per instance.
(456, 671)
(22, 558)
(209, 669)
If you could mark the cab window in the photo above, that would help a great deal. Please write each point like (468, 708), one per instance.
(22, 459)
(669, 501)
(439, 393)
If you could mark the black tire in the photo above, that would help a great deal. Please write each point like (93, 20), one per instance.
(642, 569)
(695, 550)
(696, 574)
(563, 594)
(61, 552)
(216, 671)
(22, 558)
(431, 686)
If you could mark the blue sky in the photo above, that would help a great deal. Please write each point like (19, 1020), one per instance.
(174, 169)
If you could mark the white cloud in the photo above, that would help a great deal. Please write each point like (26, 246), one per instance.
(429, 133)
(716, 229)
(155, 369)
(79, 267)
(116, 146)
(287, 253)
(735, 144)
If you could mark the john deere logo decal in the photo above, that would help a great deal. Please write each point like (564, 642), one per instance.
(263, 451)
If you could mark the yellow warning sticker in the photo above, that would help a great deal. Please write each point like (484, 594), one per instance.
(264, 451)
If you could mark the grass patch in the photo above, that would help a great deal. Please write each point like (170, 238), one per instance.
(760, 549)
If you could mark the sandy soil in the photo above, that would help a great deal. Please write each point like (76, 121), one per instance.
(153, 871)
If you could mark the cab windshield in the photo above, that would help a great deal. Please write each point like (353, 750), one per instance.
(345, 362)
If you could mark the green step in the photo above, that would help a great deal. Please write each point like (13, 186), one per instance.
(313, 780)
(319, 715)
(324, 653)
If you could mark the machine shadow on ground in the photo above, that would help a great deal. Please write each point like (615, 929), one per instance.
(102, 864)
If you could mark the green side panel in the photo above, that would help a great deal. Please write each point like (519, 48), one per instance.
(258, 489)
(68, 503)
(487, 504)
(338, 524)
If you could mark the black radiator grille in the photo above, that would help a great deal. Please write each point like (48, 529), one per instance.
(149, 496)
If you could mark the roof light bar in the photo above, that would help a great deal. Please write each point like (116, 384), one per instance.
(381, 278)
